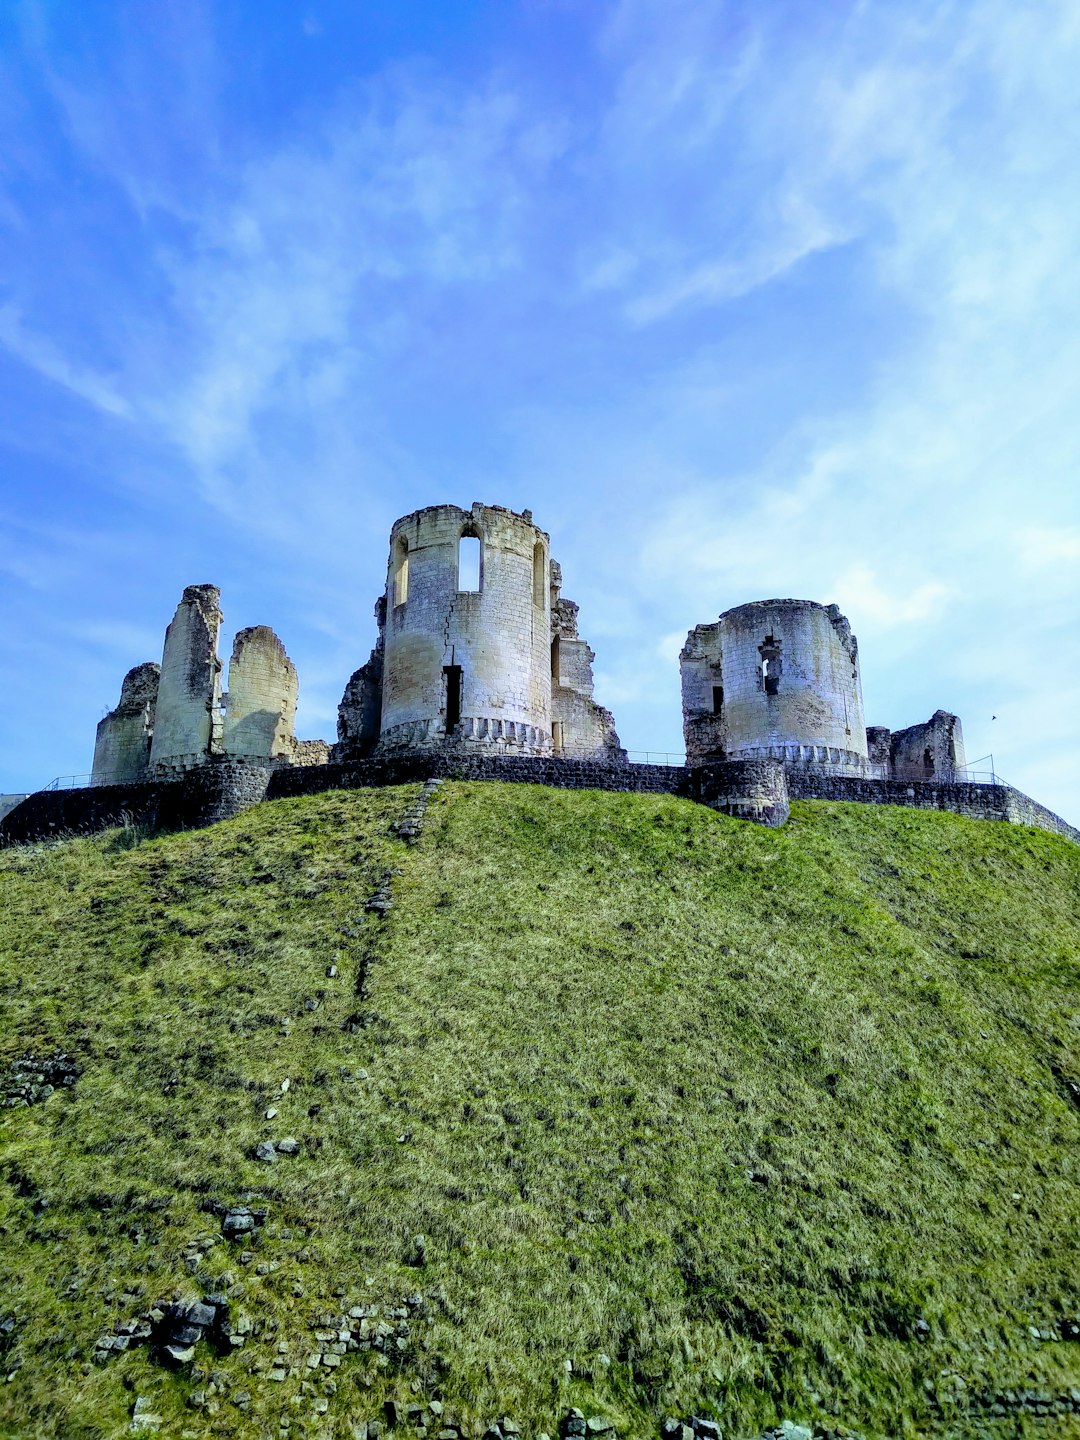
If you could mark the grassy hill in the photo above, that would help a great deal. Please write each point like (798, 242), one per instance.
(621, 1105)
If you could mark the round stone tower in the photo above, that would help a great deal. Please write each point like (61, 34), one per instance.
(776, 678)
(467, 631)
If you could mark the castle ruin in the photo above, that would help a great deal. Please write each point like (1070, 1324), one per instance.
(478, 671)
(476, 647)
(173, 717)
(779, 680)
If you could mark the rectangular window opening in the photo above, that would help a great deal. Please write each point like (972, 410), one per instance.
(453, 696)
(717, 699)
(469, 564)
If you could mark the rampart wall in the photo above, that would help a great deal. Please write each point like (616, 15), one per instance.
(756, 790)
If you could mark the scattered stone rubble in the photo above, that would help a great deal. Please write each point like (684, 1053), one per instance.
(173, 1328)
(269, 1150)
(33, 1078)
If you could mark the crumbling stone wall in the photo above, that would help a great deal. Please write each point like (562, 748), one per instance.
(260, 708)
(775, 679)
(187, 727)
(756, 790)
(124, 736)
(360, 711)
(580, 727)
(310, 752)
(932, 751)
(877, 750)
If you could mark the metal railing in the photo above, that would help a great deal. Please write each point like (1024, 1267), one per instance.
(975, 776)
(74, 782)
(657, 757)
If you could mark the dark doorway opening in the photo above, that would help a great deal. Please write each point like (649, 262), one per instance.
(453, 696)
(717, 699)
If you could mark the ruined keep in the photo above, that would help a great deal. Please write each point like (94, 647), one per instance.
(779, 679)
(931, 751)
(476, 648)
(775, 679)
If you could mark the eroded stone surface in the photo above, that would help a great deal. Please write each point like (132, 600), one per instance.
(775, 679)
(187, 728)
(486, 658)
(261, 706)
(124, 736)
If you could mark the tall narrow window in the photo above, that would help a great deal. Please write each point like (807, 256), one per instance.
(717, 699)
(555, 671)
(469, 563)
(556, 736)
(769, 651)
(401, 572)
(453, 696)
(539, 575)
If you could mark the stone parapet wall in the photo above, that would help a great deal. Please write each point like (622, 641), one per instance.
(459, 765)
(8, 803)
(977, 802)
(756, 790)
(213, 792)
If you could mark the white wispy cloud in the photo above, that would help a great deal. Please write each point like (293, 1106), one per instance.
(41, 354)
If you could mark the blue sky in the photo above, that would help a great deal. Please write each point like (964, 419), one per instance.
(741, 299)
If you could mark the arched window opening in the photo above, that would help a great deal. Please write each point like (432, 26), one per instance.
(469, 560)
(401, 572)
(539, 575)
(555, 672)
(769, 651)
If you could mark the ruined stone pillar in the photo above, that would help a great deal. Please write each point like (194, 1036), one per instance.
(122, 747)
(187, 727)
(260, 708)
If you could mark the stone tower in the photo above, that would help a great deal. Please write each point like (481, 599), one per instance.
(476, 647)
(779, 679)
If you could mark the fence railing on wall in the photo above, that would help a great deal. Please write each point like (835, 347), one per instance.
(983, 776)
(75, 782)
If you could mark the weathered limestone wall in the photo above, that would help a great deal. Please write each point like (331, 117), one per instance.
(580, 727)
(933, 751)
(310, 752)
(360, 711)
(187, 726)
(260, 710)
(775, 679)
(701, 668)
(494, 642)
(878, 738)
(124, 736)
(977, 802)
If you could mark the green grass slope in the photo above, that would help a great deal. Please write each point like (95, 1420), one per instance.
(622, 1105)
